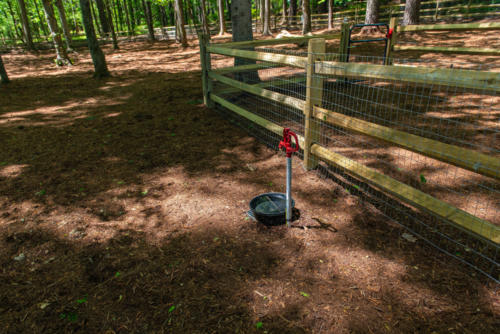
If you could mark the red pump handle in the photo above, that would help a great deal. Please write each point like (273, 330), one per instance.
(389, 33)
(286, 142)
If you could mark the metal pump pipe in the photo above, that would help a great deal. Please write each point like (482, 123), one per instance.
(286, 143)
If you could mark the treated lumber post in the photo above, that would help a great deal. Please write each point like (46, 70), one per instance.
(344, 41)
(314, 97)
(393, 24)
(205, 68)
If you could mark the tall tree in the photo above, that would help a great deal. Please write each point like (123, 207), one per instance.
(109, 17)
(100, 66)
(180, 23)
(306, 17)
(283, 13)
(26, 26)
(241, 20)
(222, 20)
(14, 21)
(292, 12)
(40, 18)
(64, 24)
(127, 18)
(330, 14)
(4, 78)
(61, 54)
(103, 18)
(266, 30)
(412, 12)
(99, 26)
(204, 20)
(372, 11)
(146, 5)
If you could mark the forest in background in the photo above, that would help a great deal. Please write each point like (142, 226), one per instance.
(66, 24)
(25, 22)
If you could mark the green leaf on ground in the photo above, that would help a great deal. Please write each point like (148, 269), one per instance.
(117, 274)
(171, 309)
(82, 300)
(422, 178)
(259, 324)
(305, 294)
(40, 193)
(144, 193)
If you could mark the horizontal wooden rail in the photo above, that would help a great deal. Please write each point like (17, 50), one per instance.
(424, 75)
(248, 115)
(265, 84)
(294, 61)
(277, 41)
(455, 155)
(438, 27)
(411, 195)
(245, 68)
(443, 49)
(277, 97)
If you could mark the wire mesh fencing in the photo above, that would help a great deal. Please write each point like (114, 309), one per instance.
(422, 135)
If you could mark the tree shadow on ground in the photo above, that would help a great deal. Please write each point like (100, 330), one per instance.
(128, 212)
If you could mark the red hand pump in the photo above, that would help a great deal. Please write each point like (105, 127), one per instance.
(286, 143)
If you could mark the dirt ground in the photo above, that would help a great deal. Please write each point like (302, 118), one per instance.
(122, 210)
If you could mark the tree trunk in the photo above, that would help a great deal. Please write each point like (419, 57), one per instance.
(119, 10)
(204, 21)
(261, 15)
(99, 26)
(412, 12)
(61, 55)
(4, 78)
(292, 12)
(100, 66)
(228, 6)
(101, 8)
(266, 30)
(132, 17)
(64, 24)
(330, 14)
(179, 13)
(75, 22)
(18, 32)
(26, 26)
(283, 13)
(127, 18)
(241, 20)
(109, 17)
(40, 19)
(372, 10)
(222, 20)
(306, 17)
(146, 5)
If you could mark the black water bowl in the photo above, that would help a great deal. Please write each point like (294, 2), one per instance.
(270, 208)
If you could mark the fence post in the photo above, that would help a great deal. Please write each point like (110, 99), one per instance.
(314, 96)
(344, 41)
(393, 24)
(205, 68)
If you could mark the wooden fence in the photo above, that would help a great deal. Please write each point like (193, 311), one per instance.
(316, 67)
(397, 30)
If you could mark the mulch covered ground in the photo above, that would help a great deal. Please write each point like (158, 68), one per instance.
(122, 210)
